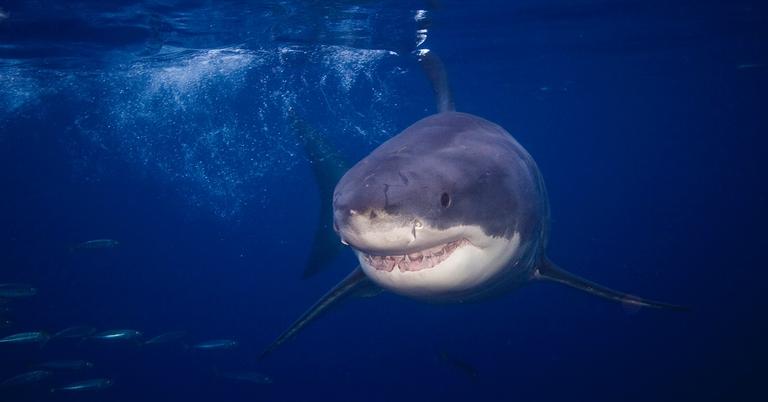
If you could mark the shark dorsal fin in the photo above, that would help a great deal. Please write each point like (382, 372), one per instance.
(437, 76)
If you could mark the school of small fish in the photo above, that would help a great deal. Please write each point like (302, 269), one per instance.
(45, 373)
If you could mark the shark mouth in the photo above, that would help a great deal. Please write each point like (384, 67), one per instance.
(415, 261)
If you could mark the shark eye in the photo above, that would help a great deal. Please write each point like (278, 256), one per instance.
(445, 200)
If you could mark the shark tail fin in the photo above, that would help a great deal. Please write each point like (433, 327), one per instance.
(547, 270)
(356, 283)
(327, 165)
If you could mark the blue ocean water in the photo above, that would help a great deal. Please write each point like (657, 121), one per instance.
(170, 126)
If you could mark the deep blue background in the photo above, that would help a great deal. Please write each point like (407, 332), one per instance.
(647, 119)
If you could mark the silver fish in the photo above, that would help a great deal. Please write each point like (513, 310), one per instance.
(749, 66)
(118, 335)
(14, 290)
(96, 244)
(216, 344)
(26, 337)
(26, 378)
(167, 337)
(65, 365)
(247, 376)
(75, 332)
(87, 385)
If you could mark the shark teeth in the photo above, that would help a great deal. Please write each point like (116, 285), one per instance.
(415, 261)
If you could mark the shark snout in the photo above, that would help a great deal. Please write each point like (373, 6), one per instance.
(367, 192)
(378, 208)
(375, 230)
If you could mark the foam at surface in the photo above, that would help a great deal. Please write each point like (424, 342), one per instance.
(212, 124)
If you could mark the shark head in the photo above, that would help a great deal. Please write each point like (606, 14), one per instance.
(443, 209)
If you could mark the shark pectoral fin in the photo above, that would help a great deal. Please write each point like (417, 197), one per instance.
(355, 284)
(547, 270)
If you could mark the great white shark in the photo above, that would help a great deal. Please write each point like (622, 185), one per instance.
(452, 209)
